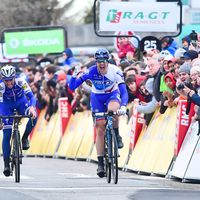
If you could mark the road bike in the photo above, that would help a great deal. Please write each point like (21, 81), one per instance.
(111, 147)
(16, 147)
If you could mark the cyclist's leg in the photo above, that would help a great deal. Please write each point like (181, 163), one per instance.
(113, 104)
(98, 106)
(22, 108)
(7, 132)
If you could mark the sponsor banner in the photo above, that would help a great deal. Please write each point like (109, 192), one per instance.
(35, 42)
(136, 126)
(183, 122)
(134, 16)
(186, 152)
(65, 112)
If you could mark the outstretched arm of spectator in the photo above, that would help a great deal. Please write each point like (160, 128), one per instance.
(148, 108)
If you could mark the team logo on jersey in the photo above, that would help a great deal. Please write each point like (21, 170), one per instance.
(24, 86)
(20, 83)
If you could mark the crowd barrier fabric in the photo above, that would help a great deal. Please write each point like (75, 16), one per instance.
(125, 132)
(55, 138)
(41, 135)
(183, 122)
(187, 163)
(64, 142)
(74, 135)
(154, 150)
(137, 124)
(87, 143)
(64, 112)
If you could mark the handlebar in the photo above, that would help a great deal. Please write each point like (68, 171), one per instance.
(109, 113)
(16, 116)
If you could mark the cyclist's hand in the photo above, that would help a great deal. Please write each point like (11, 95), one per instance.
(32, 111)
(76, 71)
(122, 110)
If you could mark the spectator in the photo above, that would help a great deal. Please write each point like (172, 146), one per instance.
(70, 60)
(169, 44)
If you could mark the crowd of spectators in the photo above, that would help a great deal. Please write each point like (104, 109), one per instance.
(159, 79)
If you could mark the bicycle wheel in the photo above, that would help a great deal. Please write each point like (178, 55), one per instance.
(107, 166)
(114, 158)
(16, 155)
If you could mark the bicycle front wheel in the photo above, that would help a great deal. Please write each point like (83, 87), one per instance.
(107, 166)
(16, 155)
(114, 158)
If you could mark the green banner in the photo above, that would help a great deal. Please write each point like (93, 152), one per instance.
(35, 42)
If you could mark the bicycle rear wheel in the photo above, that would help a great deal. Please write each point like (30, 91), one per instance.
(16, 155)
(114, 158)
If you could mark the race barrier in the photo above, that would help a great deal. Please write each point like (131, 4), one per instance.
(74, 135)
(42, 134)
(186, 166)
(183, 123)
(153, 149)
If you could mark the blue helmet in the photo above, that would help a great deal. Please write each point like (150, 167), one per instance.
(102, 55)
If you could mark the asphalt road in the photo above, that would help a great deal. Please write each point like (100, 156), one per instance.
(59, 179)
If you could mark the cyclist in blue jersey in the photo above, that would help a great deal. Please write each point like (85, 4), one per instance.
(108, 94)
(15, 94)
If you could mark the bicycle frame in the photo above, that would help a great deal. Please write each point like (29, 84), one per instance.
(111, 147)
(16, 148)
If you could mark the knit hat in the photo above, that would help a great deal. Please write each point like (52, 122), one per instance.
(195, 69)
(149, 85)
(185, 67)
(191, 54)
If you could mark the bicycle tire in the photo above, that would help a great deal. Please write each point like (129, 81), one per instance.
(16, 155)
(114, 158)
(107, 166)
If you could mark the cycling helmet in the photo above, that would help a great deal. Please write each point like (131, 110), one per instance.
(7, 72)
(102, 55)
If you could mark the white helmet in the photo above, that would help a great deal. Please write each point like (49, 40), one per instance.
(7, 72)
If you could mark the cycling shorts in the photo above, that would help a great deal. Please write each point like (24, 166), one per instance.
(99, 102)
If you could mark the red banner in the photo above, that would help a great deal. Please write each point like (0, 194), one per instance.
(65, 112)
(137, 124)
(182, 124)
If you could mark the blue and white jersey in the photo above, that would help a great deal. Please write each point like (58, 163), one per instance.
(107, 83)
(19, 89)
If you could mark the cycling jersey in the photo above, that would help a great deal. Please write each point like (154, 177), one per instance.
(19, 89)
(104, 87)
(19, 98)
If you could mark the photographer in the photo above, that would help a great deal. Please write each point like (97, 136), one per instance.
(193, 93)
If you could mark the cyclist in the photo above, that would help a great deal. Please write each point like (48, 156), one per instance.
(108, 94)
(15, 93)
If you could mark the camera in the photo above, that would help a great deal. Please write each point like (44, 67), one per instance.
(181, 86)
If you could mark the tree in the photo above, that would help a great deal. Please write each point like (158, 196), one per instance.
(20, 13)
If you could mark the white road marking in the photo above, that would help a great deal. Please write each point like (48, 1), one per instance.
(12, 177)
(88, 188)
(75, 175)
